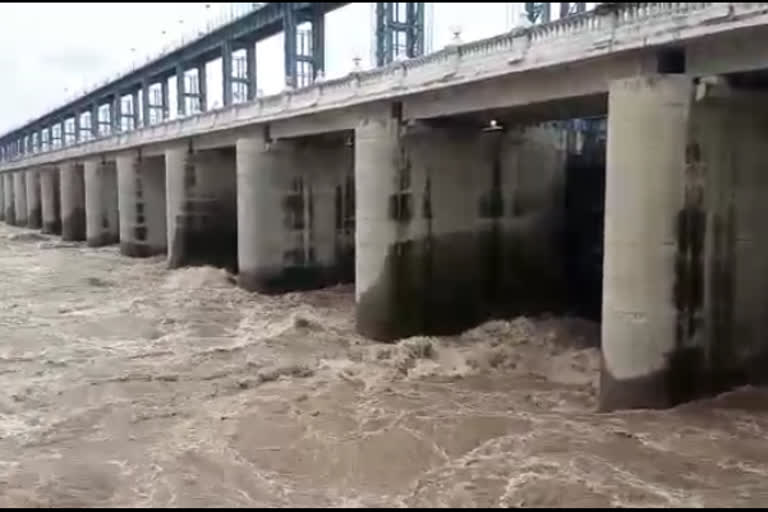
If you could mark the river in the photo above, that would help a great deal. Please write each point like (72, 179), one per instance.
(123, 383)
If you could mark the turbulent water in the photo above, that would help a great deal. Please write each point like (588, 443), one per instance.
(125, 384)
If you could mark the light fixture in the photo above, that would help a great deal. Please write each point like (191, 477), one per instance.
(493, 126)
(456, 31)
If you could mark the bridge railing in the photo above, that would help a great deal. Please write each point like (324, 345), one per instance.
(570, 37)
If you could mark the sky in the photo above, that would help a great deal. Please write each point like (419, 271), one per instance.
(51, 52)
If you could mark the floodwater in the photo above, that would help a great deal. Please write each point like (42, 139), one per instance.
(125, 384)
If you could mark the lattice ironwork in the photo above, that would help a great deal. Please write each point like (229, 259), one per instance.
(538, 12)
(399, 31)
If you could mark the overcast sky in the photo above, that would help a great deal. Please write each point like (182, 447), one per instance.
(48, 52)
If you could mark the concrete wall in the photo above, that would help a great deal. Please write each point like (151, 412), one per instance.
(202, 207)
(20, 197)
(72, 187)
(141, 202)
(289, 233)
(50, 199)
(101, 203)
(34, 208)
(455, 226)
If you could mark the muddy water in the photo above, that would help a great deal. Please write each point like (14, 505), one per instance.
(125, 384)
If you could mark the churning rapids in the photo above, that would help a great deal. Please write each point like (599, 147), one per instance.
(125, 384)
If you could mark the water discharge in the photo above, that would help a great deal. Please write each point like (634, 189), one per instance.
(125, 384)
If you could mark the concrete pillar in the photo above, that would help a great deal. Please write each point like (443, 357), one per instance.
(653, 245)
(20, 197)
(10, 207)
(685, 289)
(2, 197)
(72, 188)
(379, 151)
(101, 212)
(34, 208)
(202, 207)
(287, 223)
(260, 230)
(141, 203)
(50, 199)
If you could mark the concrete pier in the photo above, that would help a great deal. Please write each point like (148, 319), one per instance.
(455, 225)
(10, 207)
(142, 204)
(101, 200)
(34, 208)
(647, 130)
(50, 199)
(72, 188)
(287, 215)
(20, 197)
(2, 198)
(261, 233)
(202, 207)
(684, 287)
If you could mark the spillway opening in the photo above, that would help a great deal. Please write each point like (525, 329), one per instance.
(203, 202)
(142, 205)
(318, 211)
(584, 217)
(485, 217)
